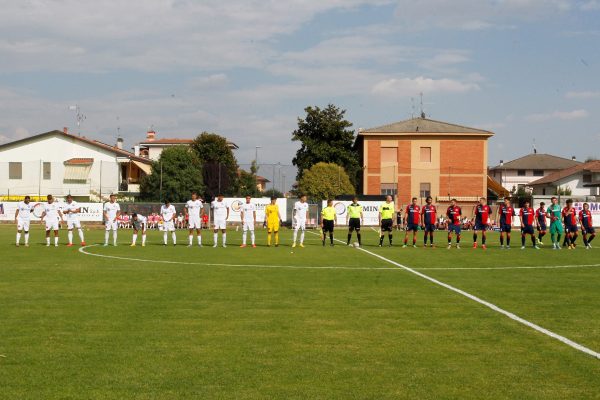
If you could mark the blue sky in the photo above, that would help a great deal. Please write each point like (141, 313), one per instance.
(525, 69)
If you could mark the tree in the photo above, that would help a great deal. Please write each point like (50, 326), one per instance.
(247, 182)
(181, 174)
(220, 168)
(325, 181)
(326, 137)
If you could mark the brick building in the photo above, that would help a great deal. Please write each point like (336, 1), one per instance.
(421, 157)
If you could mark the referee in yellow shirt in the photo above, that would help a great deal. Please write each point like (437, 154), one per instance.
(355, 216)
(328, 220)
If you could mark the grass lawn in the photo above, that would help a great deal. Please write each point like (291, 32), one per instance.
(257, 323)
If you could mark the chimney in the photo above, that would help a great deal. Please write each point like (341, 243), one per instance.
(150, 135)
(573, 158)
(66, 130)
(119, 143)
(136, 150)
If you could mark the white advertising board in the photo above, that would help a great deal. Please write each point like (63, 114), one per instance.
(235, 204)
(90, 212)
(370, 211)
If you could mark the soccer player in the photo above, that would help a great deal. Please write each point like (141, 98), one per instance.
(355, 217)
(527, 215)
(273, 219)
(112, 211)
(194, 211)
(169, 214)
(412, 218)
(507, 213)
(138, 223)
(587, 227)
(51, 216)
(300, 215)
(428, 219)
(556, 229)
(23, 218)
(328, 221)
(220, 214)
(386, 219)
(570, 219)
(454, 214)
(72, 210)
(481, 219)
(540, 221)
(248, 214)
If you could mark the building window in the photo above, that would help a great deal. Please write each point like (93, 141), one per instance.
(425, 190)
(47, 170)
(538, 172)
(425, 154)
(15, 170)
(587, 178)
(521, 172)
(388, 188)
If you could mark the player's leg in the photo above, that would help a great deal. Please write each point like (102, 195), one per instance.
(18, 239)
(224, 236)
(501, 237)
(144, 228)
(80, 232)
(165, 233)
(70, 236)
(425, 234)
(115, 228)
(331, 234)
(174, 236)
(390, 231)
(358, 236)
(295, 234)
(406, 236)
(244, 233)
(56, 235)
(350, 230)
(269, 234)
(215, 235)
(381, 235)
(475, 237)
(134, 236)
(574, 237)
(483, 238)
(252, 236)
(508, 237)
(302, 233)
(199, 234)
(191, 234)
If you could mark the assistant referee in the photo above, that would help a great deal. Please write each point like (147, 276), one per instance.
(328, 218)
(355, 215)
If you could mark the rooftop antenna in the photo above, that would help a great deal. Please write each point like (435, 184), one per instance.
(422, 110)
(118, 128)
(79, 117)
(534, 148)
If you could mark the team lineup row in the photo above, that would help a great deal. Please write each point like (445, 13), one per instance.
(562, 221)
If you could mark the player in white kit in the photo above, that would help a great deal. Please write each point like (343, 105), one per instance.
(194, 209)
(112, 211)
(248, 214)
(23, 218)
(71, 211)
(300, 215)
(168, 213)
(220, 214)
(139, 223)
(51, 216)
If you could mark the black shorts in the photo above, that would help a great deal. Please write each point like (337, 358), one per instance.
(505, 227)
(570, 228)
(454, 228)
(412, 227)
(429, 227)
(354, 224)
(386, 225)
(542, 228)
(327, 225)
(480, 227)
(588, 230)
(527, 230)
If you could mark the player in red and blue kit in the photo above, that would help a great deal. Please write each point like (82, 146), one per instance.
(412, 219)
(540, 221)
(587, 227)
(570, 220)
(428, 219)
(481, 221)
(454, 213)
(507, 212)
(527, 215)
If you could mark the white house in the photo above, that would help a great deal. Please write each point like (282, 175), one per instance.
(152, 146)
(524, 170)
(59, 163)
(581, 180)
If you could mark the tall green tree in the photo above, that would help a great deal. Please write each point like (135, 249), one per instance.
(220, 168)
(325, 181)
(247, 182)
(181, 172)
(325, 136)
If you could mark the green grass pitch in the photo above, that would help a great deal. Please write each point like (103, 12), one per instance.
(315, 323)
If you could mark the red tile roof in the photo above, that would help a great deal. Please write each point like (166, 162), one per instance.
(558, 175)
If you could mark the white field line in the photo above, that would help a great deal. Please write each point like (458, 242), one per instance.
(502, 268)
(83, 250)
(492, 306)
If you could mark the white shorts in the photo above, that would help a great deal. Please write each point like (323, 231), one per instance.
(114, 225)
(195, 223)
(301, 224)
(168, 226)
(52, 225)
(73, 223)
(248, 226)
(23, 224)
(220, 223)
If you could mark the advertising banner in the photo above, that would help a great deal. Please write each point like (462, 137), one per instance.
(90, 212)
(370, 211)
(235, 205)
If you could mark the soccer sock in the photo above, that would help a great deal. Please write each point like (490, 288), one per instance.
(449, 239)
(522, 240)
(533, 240)
(244, 237)
(302, 237)
(483, 238)
(508, 239)
(390, 238)
(405, 239)
(143, 239)
(174, 237)
(215, 238)
(431, 237)
(358, 237)
(574, 238)
(70, 236)
(425, 238)
(553, 237)
(295, 235)
(558, 238)
(165, 237)
(224, 239)
(106, 233)
(134, 239)
(199, 239)
(268, 239)
(114, 237)
(26, 237)
(592, 236)
(55, 240)
(252, 237)
(80, 231)
(381, 240)
(47, 239)
(414, 238)
(331, 237)
(190, 239)
(276, 237)
(350, 237)
(474, 238)
(457, 239)
(19, 238)
(501, 239)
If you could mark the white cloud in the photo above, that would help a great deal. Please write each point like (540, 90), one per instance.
(558, 115)
(412, 86)
(210, 81)
(583, 95)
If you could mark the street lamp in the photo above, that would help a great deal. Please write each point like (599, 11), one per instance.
(256, 155)
(502, 173)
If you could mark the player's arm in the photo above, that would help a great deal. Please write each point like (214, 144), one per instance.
(185, 210)
(227, 216)
(16, 214)
(60, 214)
(422, 217)
(379, 216)
(254, 214)
(43, 215)
(118, 213)
(474, 214)
(406, 214)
